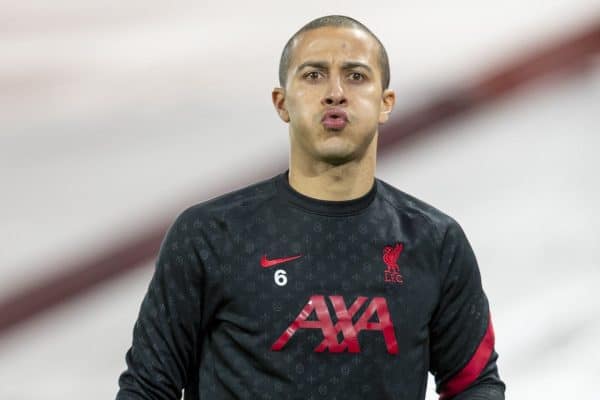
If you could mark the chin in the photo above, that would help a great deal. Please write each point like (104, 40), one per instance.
(337, 160)
(336, 151)
(337, 157)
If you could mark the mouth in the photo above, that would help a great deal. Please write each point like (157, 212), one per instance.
(335, 119)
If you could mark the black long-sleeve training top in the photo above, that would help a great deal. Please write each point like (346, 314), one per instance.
(264, 293)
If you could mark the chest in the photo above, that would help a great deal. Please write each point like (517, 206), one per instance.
(335, 283)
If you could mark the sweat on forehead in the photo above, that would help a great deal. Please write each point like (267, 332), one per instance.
(338, 21)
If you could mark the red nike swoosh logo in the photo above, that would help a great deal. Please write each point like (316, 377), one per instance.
(266, 263)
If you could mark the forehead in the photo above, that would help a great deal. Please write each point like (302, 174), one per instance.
(335, 44)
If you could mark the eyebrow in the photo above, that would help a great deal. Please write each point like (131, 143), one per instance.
(324, 65)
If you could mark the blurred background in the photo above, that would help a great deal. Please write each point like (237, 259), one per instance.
(117, 115)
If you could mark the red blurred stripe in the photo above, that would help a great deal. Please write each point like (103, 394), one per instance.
(563, 59)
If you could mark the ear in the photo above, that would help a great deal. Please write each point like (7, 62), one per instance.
(388, 99)
(278, 97)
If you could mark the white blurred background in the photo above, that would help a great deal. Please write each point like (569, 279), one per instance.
(116, 115)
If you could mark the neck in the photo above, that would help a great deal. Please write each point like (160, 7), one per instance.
(321, 180)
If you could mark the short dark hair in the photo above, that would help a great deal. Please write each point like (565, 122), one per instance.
(340, 21)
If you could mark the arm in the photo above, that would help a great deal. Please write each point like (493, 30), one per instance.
(463, 359)
(165, 335)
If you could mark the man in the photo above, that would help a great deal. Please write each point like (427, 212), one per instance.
(321, 282)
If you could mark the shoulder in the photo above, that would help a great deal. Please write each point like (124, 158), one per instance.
(438, 221)
(235, 203)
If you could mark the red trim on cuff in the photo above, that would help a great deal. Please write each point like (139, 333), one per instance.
(476, 364)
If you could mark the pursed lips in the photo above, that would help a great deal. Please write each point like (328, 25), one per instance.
(334, 118)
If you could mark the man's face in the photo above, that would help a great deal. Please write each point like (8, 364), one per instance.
(333, 99)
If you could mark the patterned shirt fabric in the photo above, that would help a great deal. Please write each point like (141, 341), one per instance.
(265, 293)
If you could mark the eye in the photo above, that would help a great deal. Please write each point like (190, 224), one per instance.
(312, 75)
(357, 76)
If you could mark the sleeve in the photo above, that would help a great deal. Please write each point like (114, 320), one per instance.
(166, 332)
(463, 358)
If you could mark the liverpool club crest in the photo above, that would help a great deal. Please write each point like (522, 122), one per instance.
(390, 258)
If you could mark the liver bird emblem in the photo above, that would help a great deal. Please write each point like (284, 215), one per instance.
(390, 257)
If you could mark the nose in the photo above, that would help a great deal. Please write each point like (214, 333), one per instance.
(334, 96)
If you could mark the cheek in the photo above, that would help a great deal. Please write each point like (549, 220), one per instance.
(300, 105)
(368, 105)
